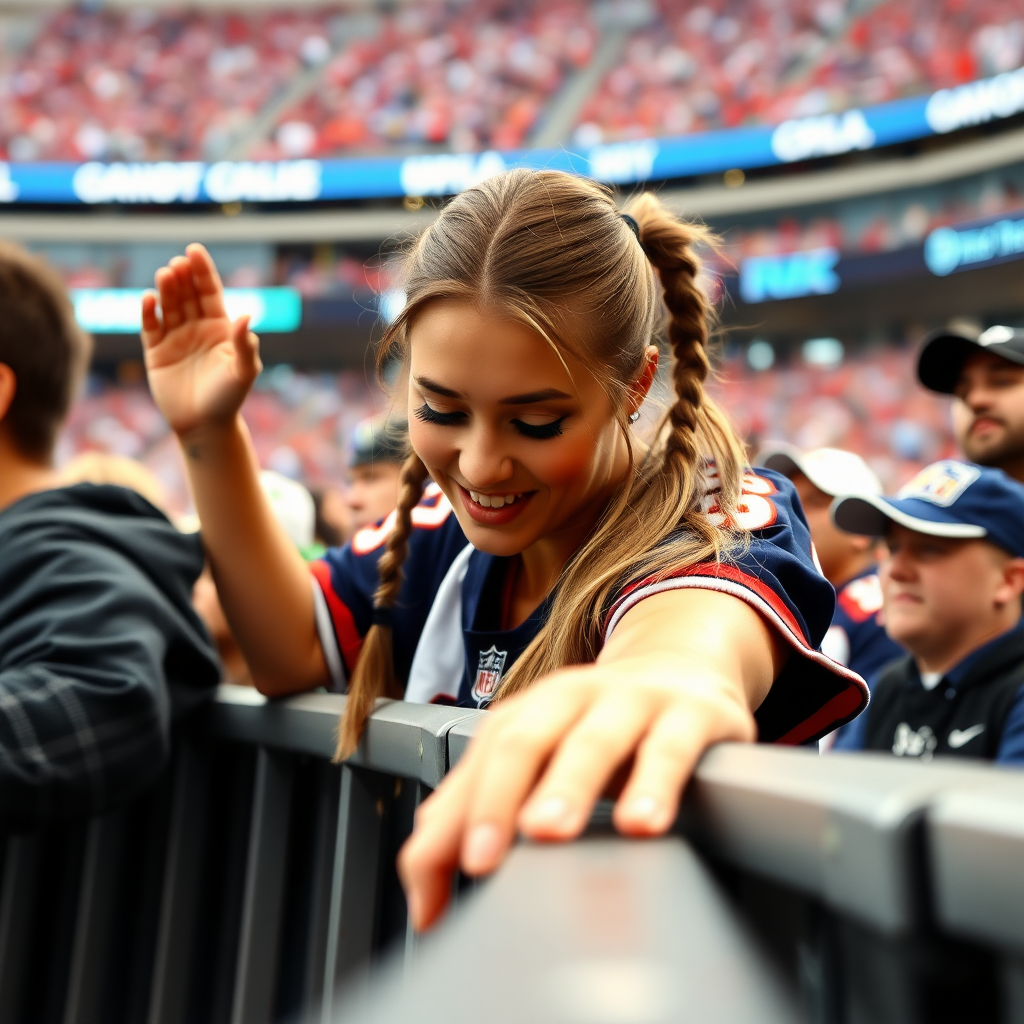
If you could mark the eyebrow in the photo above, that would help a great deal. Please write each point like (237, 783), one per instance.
(544, 395)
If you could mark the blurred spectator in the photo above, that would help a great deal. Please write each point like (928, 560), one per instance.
(985, 375)
(952, 582)
(101, 653)
(293, 507)
(869, 403)
(856, 637)
(108, 468)
(333, 516)
(379, 448)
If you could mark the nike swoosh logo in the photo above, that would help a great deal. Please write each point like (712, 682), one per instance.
(958, 737)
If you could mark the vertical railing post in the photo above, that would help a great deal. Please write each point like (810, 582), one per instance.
(256, 970)
(179, 901)
(354, 885)
(90, 959)
(17, 896)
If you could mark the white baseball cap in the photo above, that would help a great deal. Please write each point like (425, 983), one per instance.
(831, 470)
(292, 505)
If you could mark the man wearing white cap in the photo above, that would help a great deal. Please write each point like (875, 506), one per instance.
(856, 637)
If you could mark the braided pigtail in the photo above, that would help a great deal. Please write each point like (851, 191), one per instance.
(696, 429)
(374, 674)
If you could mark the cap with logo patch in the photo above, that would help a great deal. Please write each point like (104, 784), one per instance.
(831, 470)
(945, 352)
(946, 499)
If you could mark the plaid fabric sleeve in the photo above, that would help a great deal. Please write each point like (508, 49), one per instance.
(84, 708)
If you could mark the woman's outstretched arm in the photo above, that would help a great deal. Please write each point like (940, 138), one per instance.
(683, 670)
(201, 366)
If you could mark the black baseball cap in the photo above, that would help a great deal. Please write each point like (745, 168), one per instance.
(379, 439)
(945, 352)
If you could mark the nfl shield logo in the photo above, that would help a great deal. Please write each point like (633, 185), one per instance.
(488, 674)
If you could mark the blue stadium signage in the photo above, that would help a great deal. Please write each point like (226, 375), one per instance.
(436, 174)
(947, 249)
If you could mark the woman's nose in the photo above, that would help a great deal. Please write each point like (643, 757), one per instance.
(482, 462)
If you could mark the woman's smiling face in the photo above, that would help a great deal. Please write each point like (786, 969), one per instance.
(524, 448)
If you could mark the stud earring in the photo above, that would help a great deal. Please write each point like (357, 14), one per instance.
(634, 416)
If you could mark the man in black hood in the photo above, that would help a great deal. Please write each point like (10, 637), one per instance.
(100, 650)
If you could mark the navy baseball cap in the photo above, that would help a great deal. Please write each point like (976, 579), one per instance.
(945, 352)
(379, 439)
(946, 499)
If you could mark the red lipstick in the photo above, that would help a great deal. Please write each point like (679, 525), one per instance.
(493, 516)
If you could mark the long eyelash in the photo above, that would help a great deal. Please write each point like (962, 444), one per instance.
(443, 419)
(540, 431)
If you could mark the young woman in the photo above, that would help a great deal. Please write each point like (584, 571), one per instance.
(624, 607)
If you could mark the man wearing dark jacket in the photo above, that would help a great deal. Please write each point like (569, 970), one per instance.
(951, 586)
(100, 650)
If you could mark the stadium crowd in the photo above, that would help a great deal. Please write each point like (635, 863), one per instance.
(701, 66)
(82, 84)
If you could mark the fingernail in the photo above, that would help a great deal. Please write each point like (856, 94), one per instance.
(645, 810)
(552, 811)
(482, 848)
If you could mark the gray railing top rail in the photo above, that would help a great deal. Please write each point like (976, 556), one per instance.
(845, 829)
(593, 932)
(976, 852)
(401, 738)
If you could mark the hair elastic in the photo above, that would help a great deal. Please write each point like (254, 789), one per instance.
(631, 224)
(382, 616)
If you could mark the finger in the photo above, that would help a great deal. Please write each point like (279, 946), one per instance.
(206, 280)
(247, 348)
(430, 856)
(580, 771)
(187, 296)
(167, 286)
(664, 763)
(152, 328)
(518, 746)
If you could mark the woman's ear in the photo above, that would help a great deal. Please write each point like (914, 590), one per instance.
(638, 392)
(8, 387)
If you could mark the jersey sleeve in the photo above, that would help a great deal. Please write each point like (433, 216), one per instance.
(346, 579)
(776, 573)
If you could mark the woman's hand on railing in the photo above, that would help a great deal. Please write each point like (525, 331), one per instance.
(542, 760)
(683, 669)
(200, 363)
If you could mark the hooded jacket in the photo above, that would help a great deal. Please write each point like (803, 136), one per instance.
(101, 652)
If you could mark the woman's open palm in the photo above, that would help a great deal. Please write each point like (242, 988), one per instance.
(200, 363)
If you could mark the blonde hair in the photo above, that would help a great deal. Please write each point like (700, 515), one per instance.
(552, 251)
(108, 468)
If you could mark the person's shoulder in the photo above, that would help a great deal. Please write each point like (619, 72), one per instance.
(860, 599)
(433, 525)
(110, 528)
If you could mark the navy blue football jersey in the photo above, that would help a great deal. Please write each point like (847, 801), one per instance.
(449, 647)
(857, 639)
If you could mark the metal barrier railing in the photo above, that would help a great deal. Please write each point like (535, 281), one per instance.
(256, 883)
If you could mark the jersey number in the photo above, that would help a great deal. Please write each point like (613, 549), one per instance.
(754, 509)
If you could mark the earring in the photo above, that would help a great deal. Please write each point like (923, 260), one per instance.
(634, 416)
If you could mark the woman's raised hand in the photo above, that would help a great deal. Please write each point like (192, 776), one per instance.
(200, 363)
